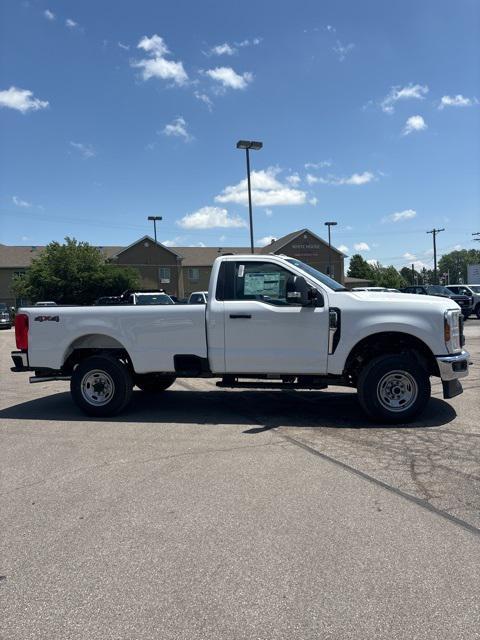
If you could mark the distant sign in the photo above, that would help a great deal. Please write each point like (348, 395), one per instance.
(473, 274)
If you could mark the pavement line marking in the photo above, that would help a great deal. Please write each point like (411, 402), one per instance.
(403, 494)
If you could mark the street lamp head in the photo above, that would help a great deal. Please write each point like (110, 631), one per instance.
(249, 144)
(154, 218)
(330, 224)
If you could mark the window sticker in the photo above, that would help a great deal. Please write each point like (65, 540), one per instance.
(262, 284)
(241, 270)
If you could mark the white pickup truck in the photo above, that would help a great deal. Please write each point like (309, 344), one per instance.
(270, 322)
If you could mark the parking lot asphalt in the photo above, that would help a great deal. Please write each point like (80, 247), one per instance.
(207, 513)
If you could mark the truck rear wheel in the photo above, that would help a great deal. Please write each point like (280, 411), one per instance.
(393, 388)
(101, 386)
(154, 382)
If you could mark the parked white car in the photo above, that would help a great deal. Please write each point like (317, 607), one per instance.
(269, 321)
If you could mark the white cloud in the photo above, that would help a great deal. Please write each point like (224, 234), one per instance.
(313, 201)
(204, 98)
(318, 165)
(410, 92)
(18, 202)
(414, 123)
(373, 262)
(342, 51)
(222, 50)
(209, 218)
(330, 28)
(86, 150)
(293, 179)
(409, 256)
(49, 15)
(268, 213)
(355, 179)
(155, 46)
(125, 47)
(400, 216)
(228, 78)
(267, 191)
(263, 242)
(248, 43)
(169, 243)
(456, 101)
(178, 129)
(157, 66)
(71, 24)
(21, 100)
(343, 248)
(361, 246)
(311, 179)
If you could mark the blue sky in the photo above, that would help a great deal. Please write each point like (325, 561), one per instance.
(369, 113)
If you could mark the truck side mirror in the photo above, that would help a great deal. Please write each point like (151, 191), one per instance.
(299, 292)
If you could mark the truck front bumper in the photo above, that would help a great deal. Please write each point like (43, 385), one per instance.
(452, 368)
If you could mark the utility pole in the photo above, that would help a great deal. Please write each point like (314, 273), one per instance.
(434, 233)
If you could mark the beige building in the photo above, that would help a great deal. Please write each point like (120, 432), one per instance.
(181, 270)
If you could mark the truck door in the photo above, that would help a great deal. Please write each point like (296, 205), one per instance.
(264, 331)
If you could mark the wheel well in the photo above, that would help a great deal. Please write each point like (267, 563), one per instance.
(388, 342)
(91, 345)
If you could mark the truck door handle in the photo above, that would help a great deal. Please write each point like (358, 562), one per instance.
(237, 316)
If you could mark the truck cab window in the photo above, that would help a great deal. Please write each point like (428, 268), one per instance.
(261, 281)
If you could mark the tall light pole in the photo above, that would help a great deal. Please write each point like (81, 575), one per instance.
(330, 224)
(434, 234)
(255, 146)
(154, 219)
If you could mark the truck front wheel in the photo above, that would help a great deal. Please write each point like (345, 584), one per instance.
(393, 388)
(154, 382)
(101, 386)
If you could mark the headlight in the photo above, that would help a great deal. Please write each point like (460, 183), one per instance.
(451, 329)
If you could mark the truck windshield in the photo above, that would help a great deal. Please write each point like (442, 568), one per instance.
(318, 275)
(438, 290)
(159, 298)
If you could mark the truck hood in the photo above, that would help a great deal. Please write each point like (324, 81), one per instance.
(403, 299)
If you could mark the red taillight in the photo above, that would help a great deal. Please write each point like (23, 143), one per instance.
(21, 331)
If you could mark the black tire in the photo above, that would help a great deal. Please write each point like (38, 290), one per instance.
(154, 382)
(477, 311)
(387, 382)
(117, 386)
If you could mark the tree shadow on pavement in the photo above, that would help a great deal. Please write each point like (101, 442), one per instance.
(263, 410)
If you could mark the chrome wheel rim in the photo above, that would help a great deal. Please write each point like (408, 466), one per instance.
(97, 387)
(397, 391)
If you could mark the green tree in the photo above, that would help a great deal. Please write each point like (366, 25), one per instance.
(72, 273)
(359, 268)
(409, 277)
(389, 277)
(455, 264)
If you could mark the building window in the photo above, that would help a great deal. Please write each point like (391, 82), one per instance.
(194, 274)
(164, 275)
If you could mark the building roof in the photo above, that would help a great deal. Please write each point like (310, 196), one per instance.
(21, 256)
(274, 247)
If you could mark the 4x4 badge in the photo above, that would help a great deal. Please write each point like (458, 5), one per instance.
(47, 319)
